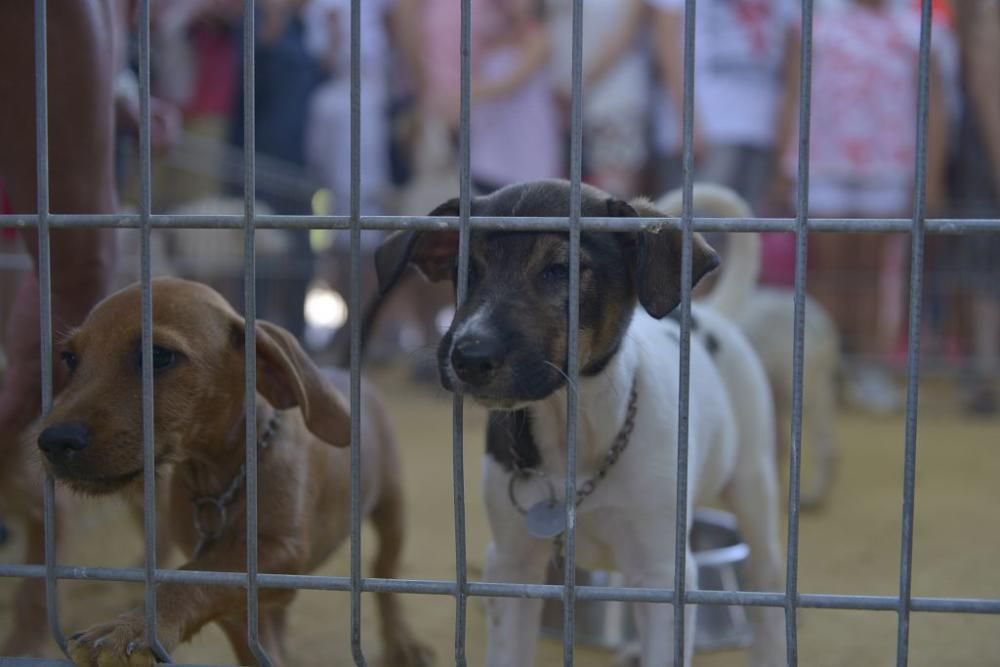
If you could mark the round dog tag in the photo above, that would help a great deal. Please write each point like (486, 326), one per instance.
(545, 519)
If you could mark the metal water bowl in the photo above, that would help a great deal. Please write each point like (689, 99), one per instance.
(719, 552)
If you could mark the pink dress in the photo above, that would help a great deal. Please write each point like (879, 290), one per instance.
(515, 138)
(511, 139)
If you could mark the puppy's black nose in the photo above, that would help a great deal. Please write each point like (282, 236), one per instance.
(60, 440)
(476, 359)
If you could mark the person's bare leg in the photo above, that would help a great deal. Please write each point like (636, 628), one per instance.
(80, 74)
(985, 352)
(620, 181)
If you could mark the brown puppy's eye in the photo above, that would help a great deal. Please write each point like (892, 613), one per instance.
(163, 358)
(70, 359)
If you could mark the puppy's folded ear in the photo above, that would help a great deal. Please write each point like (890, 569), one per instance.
(656, 258)
(288, 378)
(432, 252)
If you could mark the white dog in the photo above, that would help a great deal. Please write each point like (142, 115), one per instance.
(506, 348)
(766, 316)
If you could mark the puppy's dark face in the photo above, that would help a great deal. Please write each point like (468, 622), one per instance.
(508, 342)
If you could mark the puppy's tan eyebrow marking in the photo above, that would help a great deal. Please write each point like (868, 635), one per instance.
(547, 249)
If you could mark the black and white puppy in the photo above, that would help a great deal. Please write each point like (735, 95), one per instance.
(507, 349)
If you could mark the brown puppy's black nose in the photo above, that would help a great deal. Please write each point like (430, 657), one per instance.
(476, 359)
(60, 440)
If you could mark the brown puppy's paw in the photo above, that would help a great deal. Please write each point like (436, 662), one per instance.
(120, 643)
(407, 651)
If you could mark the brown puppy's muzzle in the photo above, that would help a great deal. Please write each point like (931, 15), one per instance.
(62, 443)
(74, 455)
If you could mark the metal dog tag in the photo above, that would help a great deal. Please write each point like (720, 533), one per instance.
(545, 519)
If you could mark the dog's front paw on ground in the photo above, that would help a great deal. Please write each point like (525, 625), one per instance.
(120, 643)
(408, 652)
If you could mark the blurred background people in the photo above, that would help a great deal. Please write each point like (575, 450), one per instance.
(616, 88)
(746, 69)
(287, 75)
(742, 49)
(977, 190)
(862, 158)
(328, 134)
(742, 52)
(83, 56)
(514, 129)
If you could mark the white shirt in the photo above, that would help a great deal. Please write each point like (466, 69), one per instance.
(625, 85)
(739, 59)
(374, 40)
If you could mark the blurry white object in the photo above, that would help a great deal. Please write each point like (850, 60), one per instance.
(766, 315)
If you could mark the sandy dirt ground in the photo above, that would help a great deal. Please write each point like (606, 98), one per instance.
(852, 545)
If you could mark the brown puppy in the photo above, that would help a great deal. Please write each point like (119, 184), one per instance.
(92, 441)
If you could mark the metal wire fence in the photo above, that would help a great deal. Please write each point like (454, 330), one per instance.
(791, 599)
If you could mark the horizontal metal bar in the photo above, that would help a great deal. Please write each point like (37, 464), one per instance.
(47, 662)
(420, 222)
(484, 589)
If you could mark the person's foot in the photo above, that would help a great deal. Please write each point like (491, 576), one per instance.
(871, 389)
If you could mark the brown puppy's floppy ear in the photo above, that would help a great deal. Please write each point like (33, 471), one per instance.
(656, 257)
(288, 378)
(432, 252)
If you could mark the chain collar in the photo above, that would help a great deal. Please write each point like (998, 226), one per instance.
(217, 505)
(618, 445)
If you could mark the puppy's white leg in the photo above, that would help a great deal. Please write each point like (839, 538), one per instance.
(656, 621)
(645, 555)
(752, 495)
(512, 624)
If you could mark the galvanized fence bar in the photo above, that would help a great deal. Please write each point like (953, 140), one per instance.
(250, 337)
(945, 605)
(461, 286)
(45, 304)
(572, 337)
(798, 335)
(355, 307)
(684, 379)
(913, 340)
(791, 600)
(145, 277)
(514, 223)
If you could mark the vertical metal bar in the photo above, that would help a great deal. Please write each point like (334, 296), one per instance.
(250, 337)
(680, 528)
(355, 307)
(798, 336)
(45, 304)
(573, 326)
(145, 277)
(458, 421)
(913, 349)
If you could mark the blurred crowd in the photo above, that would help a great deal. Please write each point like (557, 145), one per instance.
(863, 139)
